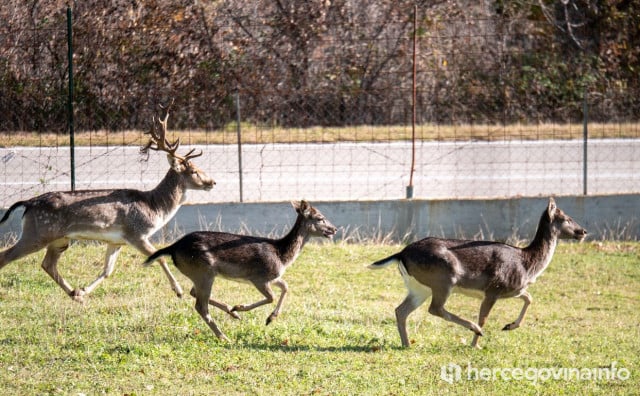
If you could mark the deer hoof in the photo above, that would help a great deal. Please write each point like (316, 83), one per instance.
(270, 319)
(223, 338)
(233, 314)
(77, 295)
(510, 326)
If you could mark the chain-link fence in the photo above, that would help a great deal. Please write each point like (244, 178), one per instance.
(356, 102)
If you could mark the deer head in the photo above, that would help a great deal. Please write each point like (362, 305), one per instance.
(195, 178)
(314, 222)
(563, 224)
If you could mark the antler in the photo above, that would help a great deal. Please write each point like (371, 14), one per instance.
(190, 155)
(158, 140)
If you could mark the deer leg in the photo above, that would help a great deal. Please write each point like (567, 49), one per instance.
(109, 266)
(175, 286)
(50, 265)
(147, 248)
(22, 248)
(526, 297)
(485, 308)
(266, 291)
(437, 308)
(218, 304)
(414, 299)
(202, 292)
(284, 288)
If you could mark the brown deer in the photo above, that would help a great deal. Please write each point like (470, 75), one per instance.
(202, 256)
(489, 270)
(116, 217)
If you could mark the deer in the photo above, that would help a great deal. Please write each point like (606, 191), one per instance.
(116, 217)
(260, 261)
(488, 270)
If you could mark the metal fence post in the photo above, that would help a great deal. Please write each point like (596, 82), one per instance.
(70, 99)
(585, 140)
(239, 139)
(413, 106)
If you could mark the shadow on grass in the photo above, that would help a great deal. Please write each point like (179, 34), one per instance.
(365, 348)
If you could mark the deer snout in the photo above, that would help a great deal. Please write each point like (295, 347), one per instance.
(208, 185)
(329, 232)
(580, 234)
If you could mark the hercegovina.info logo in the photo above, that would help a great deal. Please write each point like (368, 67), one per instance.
(453, 373)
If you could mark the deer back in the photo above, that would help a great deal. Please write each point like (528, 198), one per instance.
(106, 215)
(464, 263)
(244, 257)
(228, 255)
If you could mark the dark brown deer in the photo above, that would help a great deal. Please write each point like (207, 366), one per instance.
(116, 217)
(489, 270)
(202, 256)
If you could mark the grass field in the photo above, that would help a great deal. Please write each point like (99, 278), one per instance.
(265, 134)
(335, 336)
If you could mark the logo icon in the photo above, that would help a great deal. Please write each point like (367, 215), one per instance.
(451, 373)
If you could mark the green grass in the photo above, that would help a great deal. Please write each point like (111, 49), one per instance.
(335, 336)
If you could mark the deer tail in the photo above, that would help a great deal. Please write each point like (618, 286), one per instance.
(158, 253)
(11, 209)
(385, 262)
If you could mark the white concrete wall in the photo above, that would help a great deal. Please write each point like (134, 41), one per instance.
(407, 220)
(497, 219)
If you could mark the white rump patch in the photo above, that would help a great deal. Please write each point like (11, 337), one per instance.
(418, 292)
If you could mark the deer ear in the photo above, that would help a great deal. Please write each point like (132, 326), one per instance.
(306, 209)
(302, 207)
(551, 209)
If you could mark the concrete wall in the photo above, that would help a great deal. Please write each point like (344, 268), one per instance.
(605, 217)
(499, 219)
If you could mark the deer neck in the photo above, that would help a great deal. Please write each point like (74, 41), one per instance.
(538, 254)
(169, 194)
(291, 244)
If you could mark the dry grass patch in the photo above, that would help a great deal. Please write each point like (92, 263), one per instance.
(265, 134)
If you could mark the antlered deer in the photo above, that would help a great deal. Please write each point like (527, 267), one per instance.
(117, 217)
(202, 256)
(490, 270)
